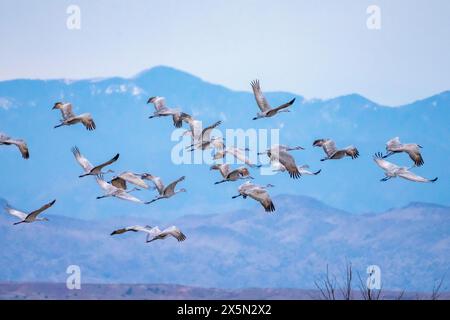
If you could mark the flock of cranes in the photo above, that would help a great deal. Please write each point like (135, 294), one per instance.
(201, 139)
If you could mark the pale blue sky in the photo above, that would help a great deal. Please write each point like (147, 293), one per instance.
(315, 48)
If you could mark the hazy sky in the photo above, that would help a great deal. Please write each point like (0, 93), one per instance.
(314, 48)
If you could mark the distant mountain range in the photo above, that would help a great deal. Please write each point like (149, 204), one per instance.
(245, 248)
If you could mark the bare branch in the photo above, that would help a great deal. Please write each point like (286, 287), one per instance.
(346, 289)
(435, 294)
(327, 286)
(400, 296)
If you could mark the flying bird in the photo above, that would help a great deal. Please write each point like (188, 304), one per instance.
(19, 143)
(112, 191)
(154, 233)
(89, 169)
(69, 118)
(237, 153)
(280, 154)
(161, 110)
(31, 217)
(332, 152)
(231, 175)
(205, 141)
(412, 149)
(121, 180)
(258, 193)
(266, 110)
(392, 170)
(303, 170)
(164, 192)
(195, 127)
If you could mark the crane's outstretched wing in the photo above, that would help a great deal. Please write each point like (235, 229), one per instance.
(19, 143)
(19, 214)
(66, 111)
(174, 232)
(107, 187)
(383, 164)
(240, 155)
(156, 181)
(352, 152)
(87, 121)
(84, 163)
(171, 187)
(134, 179)
(263, 197)
(126, 196)
(408, 175)
(158, 102)
(415, 156)
(127, 229)
(35, 213)
(329, 146)
(393, 143)
(119, 183)
(283, 106)
(206, 133)
(288, 161)
(224, 170)
(107, 163)
(261, 101)
(22, 146)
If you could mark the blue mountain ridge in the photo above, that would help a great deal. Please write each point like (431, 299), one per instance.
(240, 249)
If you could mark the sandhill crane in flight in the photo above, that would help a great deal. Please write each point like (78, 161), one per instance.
(391, 171)
(89, 169)
(332, 152)
(69, 118)
(154, 233)
(258, 193)
(112, 191)
(280, 154)
(19, 143)
(237, 153)
(164, 192)
(31, 217)
(266, 110)
(195, 127)
(121, 180)
(161, 110)
(303, 170)
(205, 141)
(231, 175)
(412, 149)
